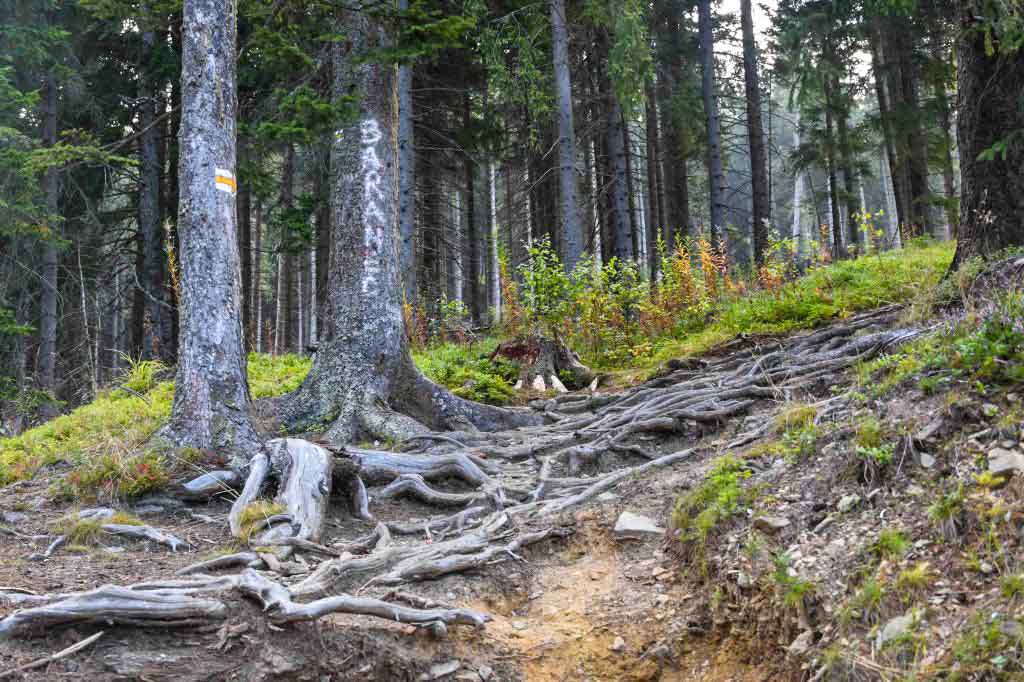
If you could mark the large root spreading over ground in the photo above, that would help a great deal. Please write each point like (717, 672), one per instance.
(495, 495)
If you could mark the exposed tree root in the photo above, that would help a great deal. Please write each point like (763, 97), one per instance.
(145, 533)
(490, 465)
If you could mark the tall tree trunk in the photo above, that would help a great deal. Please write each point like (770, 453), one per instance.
(211, 394)
(572, 228)
(473, 236)
(942, 105)
(654, 208)
(833, 185)
(494, 280)
(885, 115)
(431, 229)
(761, 212)
(716, 179)
(406, 180)
(988, 94)
(47, 364)
(621, 230)
(847, 162)
(363, 378)
(156, 331)
(323, 239)
(256, 286)
(245, 246)
(289, 268)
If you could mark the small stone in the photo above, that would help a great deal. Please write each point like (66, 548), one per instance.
(930, 431)
(825, 523)
(485, 672)
(925, 460)
(13, 517)
(987, 568)
(914, 490)
(770, 524)
(894, 628)
(439, 670)
(519, 625)
(802, 644)
(848, 502)
(630, 526)
(1002, 462)
(619, 645)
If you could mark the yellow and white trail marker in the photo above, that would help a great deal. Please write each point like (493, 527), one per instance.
(225, 181)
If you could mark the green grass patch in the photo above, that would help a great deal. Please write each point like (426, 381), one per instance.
(891, 544)
(250, 517)
(991, 647)
(719, 496)
(87, 532)
(827, 293)
(468, 371)
(103, 440)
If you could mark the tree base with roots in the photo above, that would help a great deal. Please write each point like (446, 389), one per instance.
(545, 364)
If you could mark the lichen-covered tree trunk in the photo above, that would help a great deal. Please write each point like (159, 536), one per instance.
(363, 381)
(211, 396)
(989, 125)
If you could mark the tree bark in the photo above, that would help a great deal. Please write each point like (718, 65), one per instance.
(653, 144)
(47, 363)
(988, 93)
(572, 228)
(155, 330)
(716, 179)
(760, 213)
(406, 179)
(472, 259)
(885, 114)
(211, 395)
(833, 183)
(245, 250)
(363, 380)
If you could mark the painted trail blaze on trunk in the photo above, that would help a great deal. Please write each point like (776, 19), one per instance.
(211, 399)
(375, 198)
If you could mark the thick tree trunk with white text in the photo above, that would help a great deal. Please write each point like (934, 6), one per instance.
(363, 381)
(211, 396)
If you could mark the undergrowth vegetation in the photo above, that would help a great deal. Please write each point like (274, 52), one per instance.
(985, 347)
(105, 441)
(618, 320)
